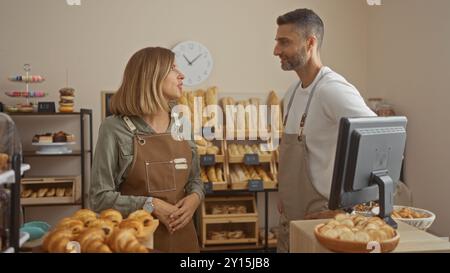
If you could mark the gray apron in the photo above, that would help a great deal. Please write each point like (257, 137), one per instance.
(297, 194)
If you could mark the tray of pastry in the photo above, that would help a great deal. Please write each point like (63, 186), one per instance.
(357, 234)
(228, 207)
(210, 152)
(234, 232)
(215, 175)
(50, 190)
(241, 153)
(241, 174)
(107, 232)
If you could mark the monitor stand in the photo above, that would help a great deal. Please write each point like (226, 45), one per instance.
(386, 196)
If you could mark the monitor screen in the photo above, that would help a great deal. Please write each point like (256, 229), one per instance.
(369, 155)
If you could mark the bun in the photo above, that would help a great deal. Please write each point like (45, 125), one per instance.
(92, 240)
(112, 215)
(124, 241)
(85, 215)
(106, 225)
(75, 226)
(57, 241)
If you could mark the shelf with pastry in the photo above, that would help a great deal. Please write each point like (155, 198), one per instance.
(241, 174)
(229, 207)
(214, 175)
(108, 232)
(229, 231)
(241, 153)
(210, 152)
(50, 190)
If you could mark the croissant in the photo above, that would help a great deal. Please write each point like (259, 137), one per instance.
(142, 215)
(106, 225)
(124, 241)
(56, 241)
(73, 225)
(85, 215)
(136, 225)
(112, 215)
(90, 235)
(26, 193)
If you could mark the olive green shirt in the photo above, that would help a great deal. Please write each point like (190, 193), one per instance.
(112, 160)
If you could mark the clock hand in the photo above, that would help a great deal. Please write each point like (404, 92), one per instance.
(196, 58)
(189, 62)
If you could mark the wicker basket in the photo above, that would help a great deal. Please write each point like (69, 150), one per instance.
(420, 223)
(337, 245)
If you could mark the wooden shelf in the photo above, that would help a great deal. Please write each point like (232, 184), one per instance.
(34, 154)
(85, 111)
(231, 247)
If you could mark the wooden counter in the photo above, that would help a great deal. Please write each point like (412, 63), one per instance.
(302, 239)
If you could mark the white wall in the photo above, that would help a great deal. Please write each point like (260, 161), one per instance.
(95, 41)
(409, 65)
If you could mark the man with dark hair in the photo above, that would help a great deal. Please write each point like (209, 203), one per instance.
(313, 107)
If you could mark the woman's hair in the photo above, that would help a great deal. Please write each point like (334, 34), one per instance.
(141, 90)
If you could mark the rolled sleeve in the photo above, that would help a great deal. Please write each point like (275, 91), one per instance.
(103, 193)
(195, 184)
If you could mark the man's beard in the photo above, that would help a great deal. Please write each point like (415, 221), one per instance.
(295, 62)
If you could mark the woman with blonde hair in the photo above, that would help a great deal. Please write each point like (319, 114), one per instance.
(138, 164)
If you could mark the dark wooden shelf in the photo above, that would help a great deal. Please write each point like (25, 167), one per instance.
(244, 247)
(52, 205)
(34, 154)
(43, 114)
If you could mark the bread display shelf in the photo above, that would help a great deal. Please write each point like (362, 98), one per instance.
(243, 185)
(70, 184)
(229, 207)
(247, 227)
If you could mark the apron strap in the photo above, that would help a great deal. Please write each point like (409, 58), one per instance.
(133, 129)
(305, 114)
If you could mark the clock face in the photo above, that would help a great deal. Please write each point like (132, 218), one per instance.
(194, 60)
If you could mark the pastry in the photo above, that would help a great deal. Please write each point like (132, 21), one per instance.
(219, 174)
(237, 234)
(75, 226)
(113, 215)
(57, 241)
(217, 235)
(125, 241)
(33, 195)
(41, 192)
(68, 192)
(85, 215)
(67, 91)
(65, 109)
(60, 192)
(90, 235)
(149, 223)
(217, 210)
(26, 193)
(51, 192)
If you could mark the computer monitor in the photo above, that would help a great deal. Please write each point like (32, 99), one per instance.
(369, 155)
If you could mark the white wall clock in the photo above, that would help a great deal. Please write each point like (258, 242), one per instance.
(194, 60)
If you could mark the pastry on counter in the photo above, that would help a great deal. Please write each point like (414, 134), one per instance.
(112, 215)
(237, 234)
(217, 235)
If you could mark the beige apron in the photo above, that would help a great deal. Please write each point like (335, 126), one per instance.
(161, 167)
(297, 194)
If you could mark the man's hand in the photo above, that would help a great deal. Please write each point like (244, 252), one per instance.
(162, 211)
(186, 209)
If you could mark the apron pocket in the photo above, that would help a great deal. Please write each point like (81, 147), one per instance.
(160, 176)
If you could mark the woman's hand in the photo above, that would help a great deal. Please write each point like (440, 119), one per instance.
(162, 211)
(186, 209)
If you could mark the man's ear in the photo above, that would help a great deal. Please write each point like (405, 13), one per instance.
(311, 42)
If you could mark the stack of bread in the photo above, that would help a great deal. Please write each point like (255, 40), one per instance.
(204, 99)
(66, 102)
(241, 150)
(206, 147)
(212, 174)
(357, 228)
(241, 172)
(105, 233)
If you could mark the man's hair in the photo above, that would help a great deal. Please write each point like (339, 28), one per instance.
(306, 21)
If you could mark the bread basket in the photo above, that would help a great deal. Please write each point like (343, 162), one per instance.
(420, 223)
(342, 246)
